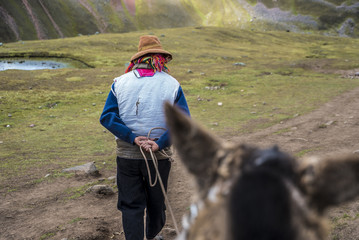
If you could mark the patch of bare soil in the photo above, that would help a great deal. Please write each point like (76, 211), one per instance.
(43, 211)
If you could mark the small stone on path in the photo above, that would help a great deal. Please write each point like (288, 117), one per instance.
(101, 190)
(329, 123)
(111, 178)
(88, 168)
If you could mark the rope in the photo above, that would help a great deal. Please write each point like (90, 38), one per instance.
(158, 176)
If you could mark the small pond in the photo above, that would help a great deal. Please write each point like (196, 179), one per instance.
(31, 64)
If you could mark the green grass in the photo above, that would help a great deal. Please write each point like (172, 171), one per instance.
(341, 221)
(54, 113)
(305, 151)
(284, 130)
(78, 219)
(47, 236)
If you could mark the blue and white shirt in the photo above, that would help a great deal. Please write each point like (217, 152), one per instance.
(135, 105)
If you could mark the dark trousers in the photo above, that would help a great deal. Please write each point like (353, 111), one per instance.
(135, 195)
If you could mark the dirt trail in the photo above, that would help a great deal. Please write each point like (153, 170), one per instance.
(332, 127)
(58, 30)
(43, 212)
(39, 31)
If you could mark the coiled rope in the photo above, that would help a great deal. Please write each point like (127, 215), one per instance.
(158, 176)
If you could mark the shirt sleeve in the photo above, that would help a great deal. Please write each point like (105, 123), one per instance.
(111, 120)
(181, 103)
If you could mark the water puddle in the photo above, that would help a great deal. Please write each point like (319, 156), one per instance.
(27, 64)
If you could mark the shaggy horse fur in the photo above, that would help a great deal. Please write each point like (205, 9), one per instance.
(246, 193)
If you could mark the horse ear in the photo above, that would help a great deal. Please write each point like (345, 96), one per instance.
(330, 181)
(197, 148)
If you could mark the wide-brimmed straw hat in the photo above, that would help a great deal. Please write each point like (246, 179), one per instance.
(150, 44)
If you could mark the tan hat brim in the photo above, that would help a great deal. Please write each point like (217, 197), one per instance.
(148, 51)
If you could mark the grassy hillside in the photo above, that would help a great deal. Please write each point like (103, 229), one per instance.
(49, 118)
(40, 19)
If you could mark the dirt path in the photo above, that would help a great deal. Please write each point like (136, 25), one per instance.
(43, 212)
(332, 127)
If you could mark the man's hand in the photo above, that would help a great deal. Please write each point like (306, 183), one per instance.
(146, 143)
(149, 144)
(140, 140)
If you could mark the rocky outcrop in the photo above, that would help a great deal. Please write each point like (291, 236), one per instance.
(39, 19)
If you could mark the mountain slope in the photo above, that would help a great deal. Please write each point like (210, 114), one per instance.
(45, 19)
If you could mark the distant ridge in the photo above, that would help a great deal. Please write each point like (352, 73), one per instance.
(48, 19)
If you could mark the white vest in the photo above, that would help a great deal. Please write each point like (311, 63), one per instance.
(140, 101)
